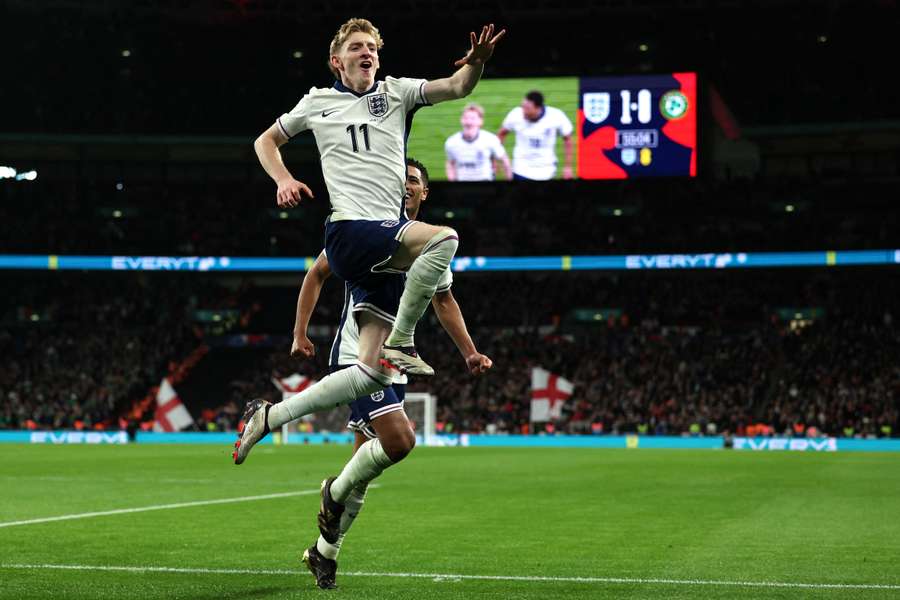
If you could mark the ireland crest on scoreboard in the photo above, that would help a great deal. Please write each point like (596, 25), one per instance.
(596, 106)
(378, 104)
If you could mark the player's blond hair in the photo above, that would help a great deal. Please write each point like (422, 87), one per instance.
(476, 108)
(347, 29)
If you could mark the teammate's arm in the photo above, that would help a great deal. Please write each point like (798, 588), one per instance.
(502, 134)
(504, 160)
(450, 166)
(567, 165)
(461, 83)
(290, 191)
(450, 316)
(450, 161)
(306, 303)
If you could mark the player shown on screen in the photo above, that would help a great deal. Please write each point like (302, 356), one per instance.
(536, 127)
(360, 127)
(474, 154)
(369, 413)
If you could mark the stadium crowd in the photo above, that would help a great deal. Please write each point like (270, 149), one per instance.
(683, 353)
(79, 350)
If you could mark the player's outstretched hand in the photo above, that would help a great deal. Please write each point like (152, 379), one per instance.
(290, 192)
(482, 46)
(478, 363)
(302, 347)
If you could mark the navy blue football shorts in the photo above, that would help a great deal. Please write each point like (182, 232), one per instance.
(358, 252)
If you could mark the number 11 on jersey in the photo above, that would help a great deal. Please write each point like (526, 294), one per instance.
(364, 129)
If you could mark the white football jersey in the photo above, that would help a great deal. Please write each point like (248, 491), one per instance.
(345, 347)
(362, 143)
(474, 159)
(534, 155)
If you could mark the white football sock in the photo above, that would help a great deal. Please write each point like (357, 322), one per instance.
(367, 464)
(352, 505)
(342, 387)
(421, 283)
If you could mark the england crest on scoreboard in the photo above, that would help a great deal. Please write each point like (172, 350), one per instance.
(596, 106)
(378, 104)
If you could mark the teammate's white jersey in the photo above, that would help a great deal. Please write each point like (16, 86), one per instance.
(345, 348)
(474, 159)
(534, 155)
(362, 143)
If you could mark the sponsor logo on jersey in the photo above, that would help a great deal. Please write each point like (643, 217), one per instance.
(329, 113)
(673, 105)
(378, 104)
(596, 106)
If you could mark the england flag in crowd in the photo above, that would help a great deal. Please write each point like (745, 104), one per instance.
(171, 415)
(549, 392)
(292, 384)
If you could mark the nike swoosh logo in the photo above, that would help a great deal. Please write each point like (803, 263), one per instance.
(330, 112)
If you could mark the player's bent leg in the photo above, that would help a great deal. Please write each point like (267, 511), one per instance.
(432, 248)
(341, 387)
(332, 391)
(397, 437)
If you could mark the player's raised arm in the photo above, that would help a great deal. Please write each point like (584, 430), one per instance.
(461, 83)
(290, 191)
(306, 303)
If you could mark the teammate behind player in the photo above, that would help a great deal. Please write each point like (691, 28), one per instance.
(536, 127)
(474, 154)
(368, 413)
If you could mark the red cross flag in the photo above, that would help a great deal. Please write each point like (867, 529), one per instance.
(548, 394)
(292, 384)
(171, 415)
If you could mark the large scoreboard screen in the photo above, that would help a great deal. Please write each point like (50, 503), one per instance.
(588, 128)
(637, 126)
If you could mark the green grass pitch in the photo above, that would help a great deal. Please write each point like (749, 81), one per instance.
(460, 522)
(433, 125)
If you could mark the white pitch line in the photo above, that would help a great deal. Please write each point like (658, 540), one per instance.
(125, 511)
(451, 577)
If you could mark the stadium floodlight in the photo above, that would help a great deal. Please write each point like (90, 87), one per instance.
(10, 173)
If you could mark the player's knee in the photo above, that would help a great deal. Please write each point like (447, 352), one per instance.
(442, 246)
(399, 446)
(451, 237)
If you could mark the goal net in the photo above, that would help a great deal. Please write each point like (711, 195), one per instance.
(421, 408)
